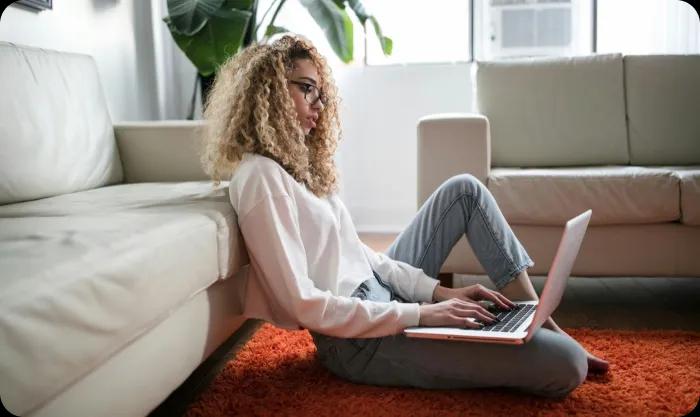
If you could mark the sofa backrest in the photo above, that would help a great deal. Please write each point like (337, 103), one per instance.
(663, 109)
(554, 111)
(56, 134)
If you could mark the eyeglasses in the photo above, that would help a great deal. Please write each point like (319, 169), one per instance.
(311, 93)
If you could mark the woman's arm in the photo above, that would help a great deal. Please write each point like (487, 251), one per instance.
(409, 282)
(272, 236)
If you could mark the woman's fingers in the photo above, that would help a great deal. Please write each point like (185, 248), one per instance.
(477, 311)
(506, 301)
(498, 298)
(486, 318)
(467, 322)
(470, 318)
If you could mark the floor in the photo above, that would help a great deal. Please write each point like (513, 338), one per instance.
(616, 302)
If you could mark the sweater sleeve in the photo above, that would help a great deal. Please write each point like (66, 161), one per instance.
(410, 282)
(272, 237)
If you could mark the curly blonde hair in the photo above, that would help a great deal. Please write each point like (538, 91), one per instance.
(249, 109)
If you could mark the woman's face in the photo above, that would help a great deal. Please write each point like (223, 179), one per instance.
(303, 85)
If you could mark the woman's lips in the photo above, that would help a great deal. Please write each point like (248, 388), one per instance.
(311, 122)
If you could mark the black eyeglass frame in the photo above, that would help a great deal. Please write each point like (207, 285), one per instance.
(322, 97)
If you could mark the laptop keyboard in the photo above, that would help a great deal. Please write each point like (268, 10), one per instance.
(510, 319)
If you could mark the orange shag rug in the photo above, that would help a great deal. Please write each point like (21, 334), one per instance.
(277, 373)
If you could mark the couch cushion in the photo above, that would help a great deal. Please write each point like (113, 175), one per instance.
(689, 177)
(554, 111)
(193, 197)
(616, 194)
(56, 135)
(663, 98)
(74, 290)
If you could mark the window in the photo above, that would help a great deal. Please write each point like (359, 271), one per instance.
(518, 28)
(441, 30)
(422, 31)
(656, 27)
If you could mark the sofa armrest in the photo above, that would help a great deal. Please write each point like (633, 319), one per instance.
(450, 144)
(160, 151)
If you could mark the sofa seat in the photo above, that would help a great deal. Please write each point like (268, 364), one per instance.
(183, 197)
(616, 194)
(85, 274)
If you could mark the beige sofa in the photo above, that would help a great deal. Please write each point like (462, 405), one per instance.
(118, 259)
(552, 137)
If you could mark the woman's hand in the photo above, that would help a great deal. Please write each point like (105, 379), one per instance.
(472, 293)
(455, 312)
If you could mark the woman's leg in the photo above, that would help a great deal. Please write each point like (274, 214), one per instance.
(461, 205)
(550, 364)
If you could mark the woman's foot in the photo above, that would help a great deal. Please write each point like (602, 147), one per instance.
(596, 365)
(521, 289)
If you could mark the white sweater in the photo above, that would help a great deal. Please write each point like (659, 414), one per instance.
(306, 259)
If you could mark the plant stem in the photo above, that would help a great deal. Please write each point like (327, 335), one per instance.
(264, 15)
(274, 16)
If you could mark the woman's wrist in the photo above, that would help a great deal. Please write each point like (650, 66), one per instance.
(440, 293)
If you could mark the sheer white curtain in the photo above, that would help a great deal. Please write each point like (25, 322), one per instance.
(175, 74)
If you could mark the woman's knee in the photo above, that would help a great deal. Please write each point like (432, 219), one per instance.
(463, 183)
(569, 368)
(561, 364)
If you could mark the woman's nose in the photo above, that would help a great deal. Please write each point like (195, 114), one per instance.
(318, 105)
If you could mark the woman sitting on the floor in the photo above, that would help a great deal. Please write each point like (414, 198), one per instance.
(272, 129)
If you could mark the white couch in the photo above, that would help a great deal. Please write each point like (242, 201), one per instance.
(552, 137)
(118, 258)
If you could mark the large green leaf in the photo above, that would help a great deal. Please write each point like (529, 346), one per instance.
(189, 16)
(336, 25)
(221, 37)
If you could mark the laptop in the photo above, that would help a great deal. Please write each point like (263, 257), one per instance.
(518, 325)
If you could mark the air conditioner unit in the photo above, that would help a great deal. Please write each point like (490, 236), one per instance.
(529, 28)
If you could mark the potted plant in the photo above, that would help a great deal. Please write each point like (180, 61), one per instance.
(210, 31)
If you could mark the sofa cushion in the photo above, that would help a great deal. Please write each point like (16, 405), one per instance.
(56, 135)
(689, 177)
(663, 98)
(554, 111)
(74, 290)
(616, 194)
(194, 197)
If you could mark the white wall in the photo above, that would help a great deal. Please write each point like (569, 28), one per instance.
(117, 33)
(380, 111)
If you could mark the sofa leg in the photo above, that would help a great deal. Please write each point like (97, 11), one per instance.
(446, 279)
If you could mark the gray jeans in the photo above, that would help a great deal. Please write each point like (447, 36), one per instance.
(550, 364)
